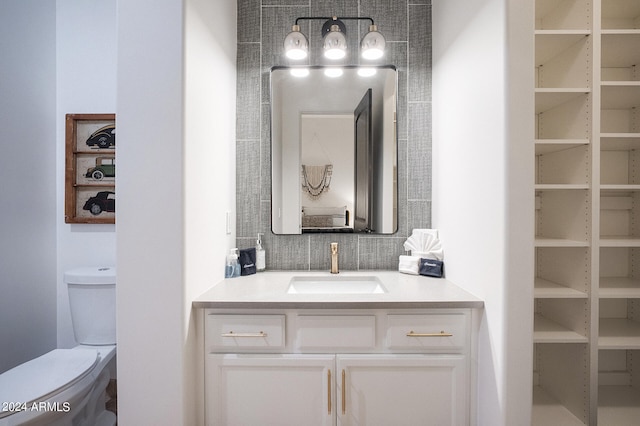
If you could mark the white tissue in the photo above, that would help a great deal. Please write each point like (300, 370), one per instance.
(409, 265)
(424, 243)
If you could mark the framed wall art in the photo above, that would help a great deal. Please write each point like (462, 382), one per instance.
(90, 170)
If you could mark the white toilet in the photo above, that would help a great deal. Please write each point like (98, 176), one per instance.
(66, 387)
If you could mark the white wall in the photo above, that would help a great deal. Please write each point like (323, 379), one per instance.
(27, 180)
(328, 139)
(483, 185)
(86, 83)
(58, 58)
(176, 91)
(209, 175)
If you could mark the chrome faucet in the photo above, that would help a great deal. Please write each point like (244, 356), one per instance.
(334, 258)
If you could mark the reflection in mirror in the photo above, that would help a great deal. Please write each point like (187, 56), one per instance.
(333, 150)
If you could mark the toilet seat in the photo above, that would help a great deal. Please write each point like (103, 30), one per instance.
(47, 375)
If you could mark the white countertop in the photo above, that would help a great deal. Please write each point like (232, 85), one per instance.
(268, 290)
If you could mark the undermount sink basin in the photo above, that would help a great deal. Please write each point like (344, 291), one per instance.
(336, 285)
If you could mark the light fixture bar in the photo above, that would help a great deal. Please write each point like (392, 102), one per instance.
(326, 18)
(335, 43)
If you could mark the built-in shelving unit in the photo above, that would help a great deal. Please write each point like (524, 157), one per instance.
(587, 198)
(563, 188)
(619, 285)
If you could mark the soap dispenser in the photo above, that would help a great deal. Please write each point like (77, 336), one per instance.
(232, 267)
(260, 255)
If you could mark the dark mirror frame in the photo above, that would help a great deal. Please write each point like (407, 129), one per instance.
(373, 205)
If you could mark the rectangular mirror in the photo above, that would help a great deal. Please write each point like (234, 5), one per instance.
(333, 150)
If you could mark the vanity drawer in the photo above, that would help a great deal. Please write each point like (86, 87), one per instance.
(433, 332)
(226, 333)
(335, 332)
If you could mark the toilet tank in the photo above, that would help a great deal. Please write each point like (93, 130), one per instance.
(92, 299)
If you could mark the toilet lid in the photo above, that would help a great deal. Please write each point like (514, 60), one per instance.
(35, 380)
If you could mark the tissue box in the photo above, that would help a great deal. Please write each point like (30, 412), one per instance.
(431, 268)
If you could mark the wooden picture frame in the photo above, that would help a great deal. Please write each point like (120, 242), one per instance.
(90, 182)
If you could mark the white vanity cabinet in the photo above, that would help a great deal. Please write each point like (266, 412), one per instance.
(402, 390)
(338, 367)
(264, 389)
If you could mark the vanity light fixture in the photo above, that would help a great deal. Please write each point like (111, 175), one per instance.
(335, 42)
(373, 44)
(296, 45)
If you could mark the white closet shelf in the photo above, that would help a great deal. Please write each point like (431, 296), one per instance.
(545, 289)
(549, 98)
(617, 83)
(619, 241)
(619, 288)
(549, 146)
(620, 135)
(619, 333)
(560, 186)
(620, 187)
(618, 405)
(631, 31)
(549, 411)
(548, 331)
(579, 33)
(559, 242)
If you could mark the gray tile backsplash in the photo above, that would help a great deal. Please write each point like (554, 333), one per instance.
(262, 26)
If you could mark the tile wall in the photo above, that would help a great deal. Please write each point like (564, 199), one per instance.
(262, 26)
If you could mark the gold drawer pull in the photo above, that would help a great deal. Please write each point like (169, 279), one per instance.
(329, 391)
(344, 394)
(232, 334)
(441, 334)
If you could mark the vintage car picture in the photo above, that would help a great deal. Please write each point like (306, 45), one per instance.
(90, 168)
(103, 201)
(105, 167)
(104, 137)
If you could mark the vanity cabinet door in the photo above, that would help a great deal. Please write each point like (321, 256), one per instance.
(402, 390)
(270, 389)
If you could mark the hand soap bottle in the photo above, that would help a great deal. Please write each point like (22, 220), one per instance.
(232, 266)
(260, 255)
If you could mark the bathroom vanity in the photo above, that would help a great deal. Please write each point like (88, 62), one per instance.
(305, 348)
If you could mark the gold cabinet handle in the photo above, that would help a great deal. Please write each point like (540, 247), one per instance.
(441, 334)
(232, 334)
(344, 393)
(329, 391)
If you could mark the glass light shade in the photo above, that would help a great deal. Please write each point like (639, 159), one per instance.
(296, 45)
(335, 44)
(373, 44)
